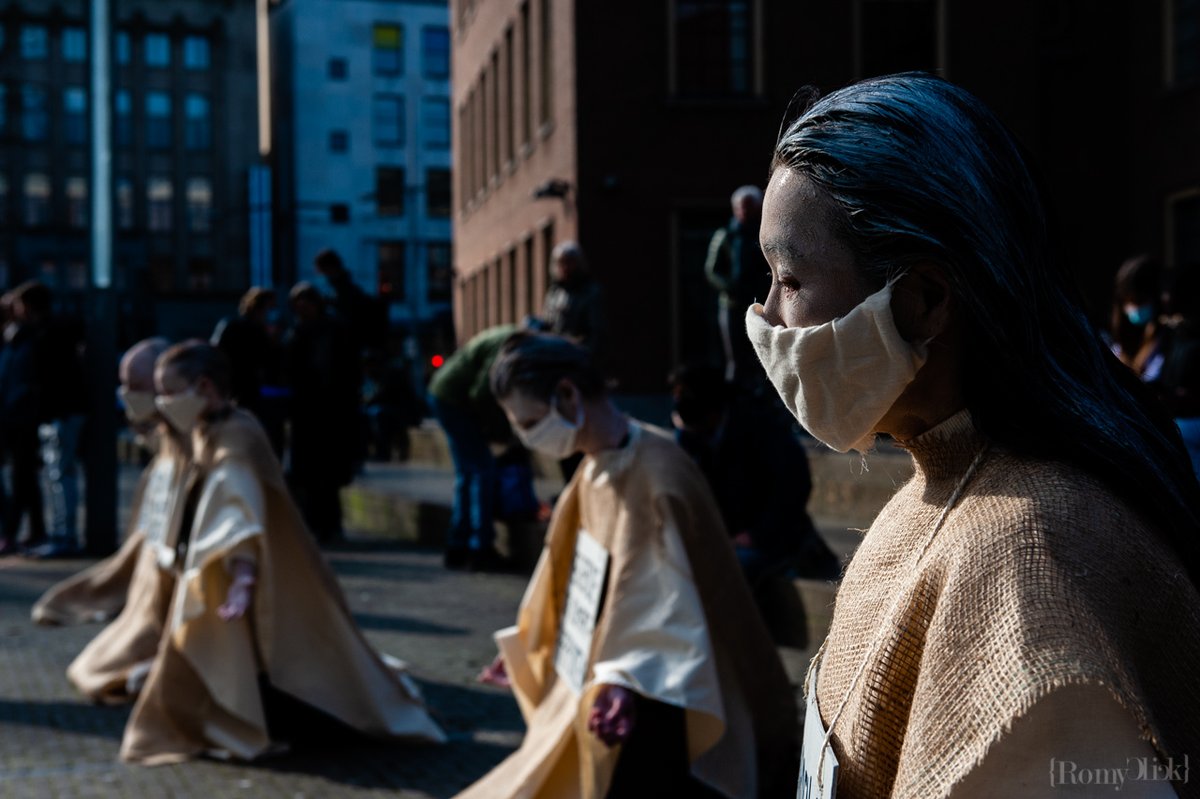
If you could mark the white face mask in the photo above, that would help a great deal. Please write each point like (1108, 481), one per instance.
(839, 379)
(139, 405)
(182, 411)
(553, 435)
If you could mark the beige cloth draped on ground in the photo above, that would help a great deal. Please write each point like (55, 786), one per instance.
(203, 693)
(1039, 579)
(99, 592)
(136, 581)
(677, 625)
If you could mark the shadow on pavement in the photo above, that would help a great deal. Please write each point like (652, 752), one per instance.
(404, 624)
(78, 717)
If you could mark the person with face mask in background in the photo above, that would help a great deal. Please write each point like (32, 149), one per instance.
(638, 659)
(1138, 337)
(259, 638)
(1029, 596)
(137, 581)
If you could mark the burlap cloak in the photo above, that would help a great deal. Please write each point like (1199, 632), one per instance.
(99, 592)
(1040, 578)
(678, 625)
(203, 693)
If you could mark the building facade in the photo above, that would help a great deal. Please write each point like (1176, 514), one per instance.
(363, 119)
(183, 137)
(628, 131)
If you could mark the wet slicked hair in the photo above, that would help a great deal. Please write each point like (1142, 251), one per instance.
(535, 363)
(919, 170)
(195, 359)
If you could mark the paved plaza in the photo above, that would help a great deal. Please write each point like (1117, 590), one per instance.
(53, 744)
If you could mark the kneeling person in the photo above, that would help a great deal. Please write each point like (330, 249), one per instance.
(638, 658)
(257, 616)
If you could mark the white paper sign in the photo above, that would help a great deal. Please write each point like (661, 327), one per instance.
(818, 776)
(584, 592)
(157, 503)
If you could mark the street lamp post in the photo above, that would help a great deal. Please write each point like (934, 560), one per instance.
(101, 536)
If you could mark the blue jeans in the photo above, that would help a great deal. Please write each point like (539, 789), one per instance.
(60, 445)
(471, 521)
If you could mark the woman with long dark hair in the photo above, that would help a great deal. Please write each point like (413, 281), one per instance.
(1031, 593)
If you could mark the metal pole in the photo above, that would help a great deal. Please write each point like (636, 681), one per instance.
(101, 536)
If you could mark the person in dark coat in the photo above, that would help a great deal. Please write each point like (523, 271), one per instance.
(245, 341)
(363, 315)
(758, 472)
(326, 383)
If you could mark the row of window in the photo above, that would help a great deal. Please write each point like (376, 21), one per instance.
(509, 288)
(157, 50)
(387, 53)
(391, 191)
(37, 203)
(392, 274)
(35, 117)
(389, 124)
(492, 118)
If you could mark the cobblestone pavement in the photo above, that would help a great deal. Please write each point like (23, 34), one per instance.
(53, 744)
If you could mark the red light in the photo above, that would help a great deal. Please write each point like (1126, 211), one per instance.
(437, 361)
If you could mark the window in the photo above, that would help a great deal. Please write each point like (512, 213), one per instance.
(339, 213)
(197, 129)
(77, 275)
(712, 48)
(390, 271)
(510, 90)
(122, 119)
(37, 200)
(196, 53)
(35, 115)
(339, 141)
(74, 45)
(547, 63)
(435, 52)
(159, 194)
(1184, 56)
(199, 205)
(77, 202)
(437, 192)
(157, 50)
(435, 122)
(123, 50)
(387, 112)
(526, 76)
(440, 274)
(35, 42)
(389, 191)
(162, 272)
(75, 127)
(339, 69)
(200, 274)
(387, 57)
(897, 35)
(158, 120)
(124, 210)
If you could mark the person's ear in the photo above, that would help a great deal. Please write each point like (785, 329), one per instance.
(569, 399)
(922, 302)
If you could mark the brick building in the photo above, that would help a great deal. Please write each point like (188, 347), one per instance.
(184, 137)
(627, 126)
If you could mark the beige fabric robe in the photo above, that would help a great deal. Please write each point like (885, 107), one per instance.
(678, 625)
(1040, 578)
(98, 593)
(202, 694)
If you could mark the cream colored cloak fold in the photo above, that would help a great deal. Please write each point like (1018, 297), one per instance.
(677, 625)
(99, 592)
(202, 694)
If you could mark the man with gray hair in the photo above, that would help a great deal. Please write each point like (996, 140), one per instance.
(573, 306)
(737, 270)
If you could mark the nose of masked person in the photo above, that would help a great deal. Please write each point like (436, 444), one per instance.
(183, 410)
(839, 379)
(553, 435)
(140, 407)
